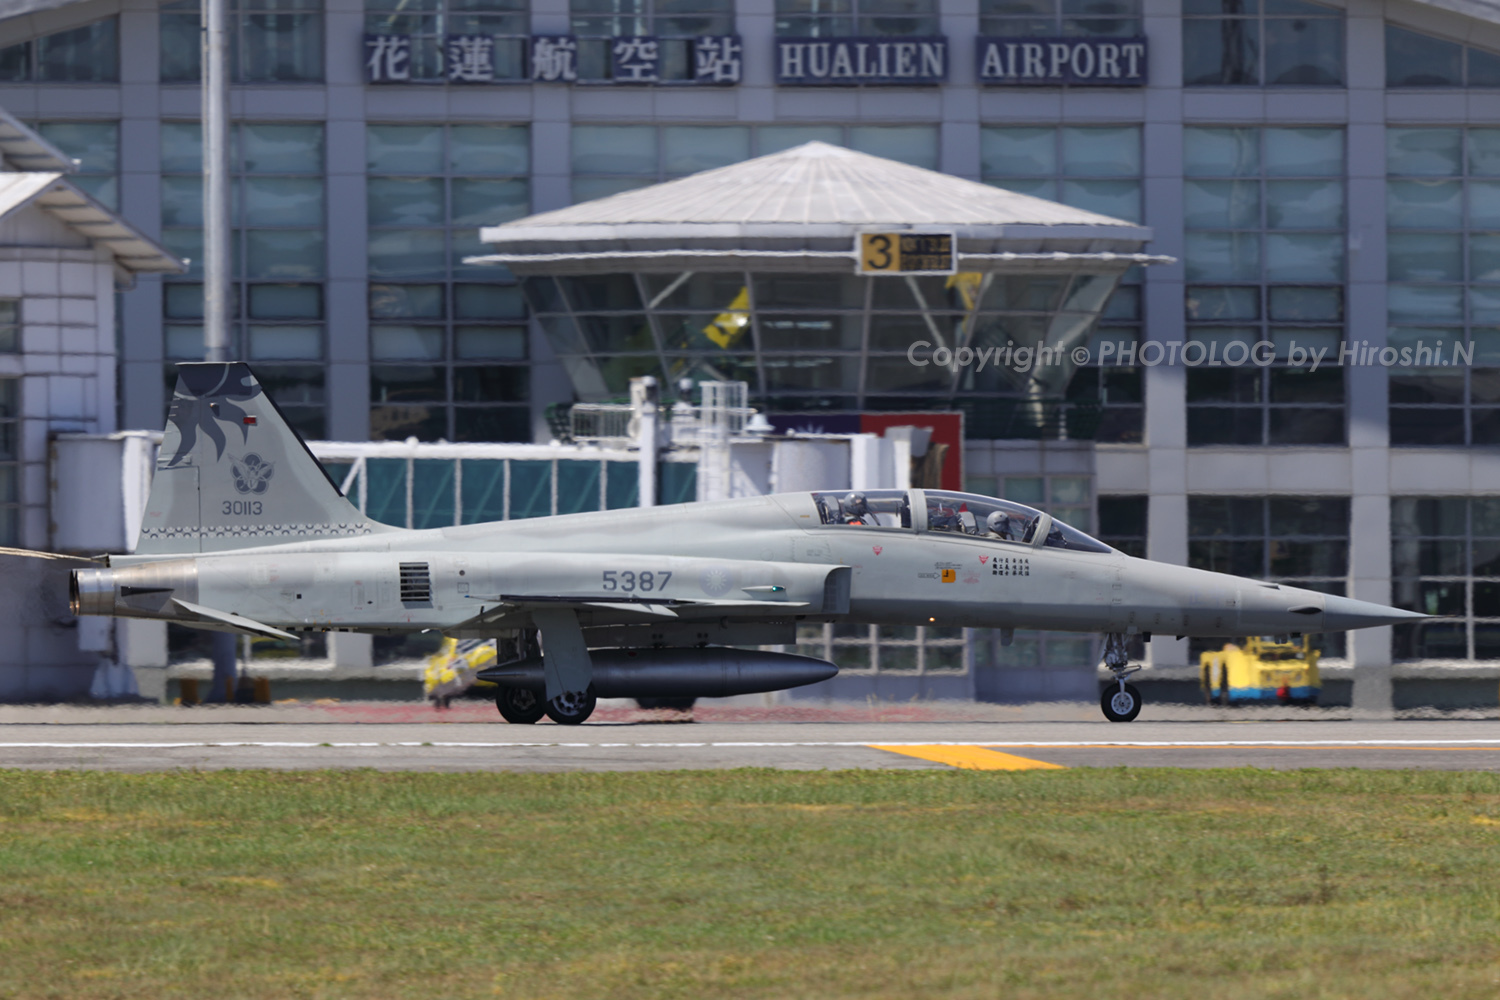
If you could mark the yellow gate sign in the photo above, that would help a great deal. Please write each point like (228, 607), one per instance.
(906, 253)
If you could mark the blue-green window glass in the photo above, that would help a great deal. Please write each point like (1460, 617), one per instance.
(506, 22)
(96, 147)
(530, 489)
(278, 250)
(675, 23)
(1069, 18)
(622, 485)
(577, 486)
(1443, 269)
(678, 482)
(432, 493)
(1096, 168)
(844, 18)
(1416, 60)
(270, 41)
(385, 490)
(1264, 255)
(483, 490)
(429, 190)
(90, 54)
(1445, 561)
(1293, 43)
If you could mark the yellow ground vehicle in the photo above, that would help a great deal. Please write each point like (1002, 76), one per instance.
(450, 671)
(1260, 669)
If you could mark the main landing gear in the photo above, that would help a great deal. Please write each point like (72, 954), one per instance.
(1121, 702)
(571, 708)
(520, 706)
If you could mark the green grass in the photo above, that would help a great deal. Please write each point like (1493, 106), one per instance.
(1150, 883)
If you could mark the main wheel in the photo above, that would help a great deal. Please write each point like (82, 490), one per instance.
(1120, 705)
(572, 708)
(520, 706)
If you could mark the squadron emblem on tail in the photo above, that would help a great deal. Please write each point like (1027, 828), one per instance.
(252, 474)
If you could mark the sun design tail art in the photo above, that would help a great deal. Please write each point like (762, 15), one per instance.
(233, 474)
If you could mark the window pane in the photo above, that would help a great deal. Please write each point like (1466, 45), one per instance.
(401, 301)
(406, 343)
(490, 150)
(913, 144)
(286, 301)
(1102, 152)
(432, 493)
(1413, 60)
(283, 201)
(775, 138)
(1423, 152)
(404, 149)
(483, 490)
(487, 302)
(1221, 204)
(397, 423)
(405, 201)
(481, 342)
(407, 383)
(1220, 52)
(96, 144)
(90, 54)
(1484, 257)
(1424, 257)
(530, 489)
(1211, 303)
(1291, 303)
(1304, 152)
(182, 201)
(1118, 199)
(1224, 256)
(490, 384)
(1018, 152)
(489, 203)
(687, 149)
(1484, 69)
(286, 254)
(1305, 204)
(1305, 52)
(1416, 303)
(282, 149)
(182, 146)
(183, 342)
(589, 188)
(408, 253)
(1484, 204)
(614, 149)
(282, 48)
(1221, 152)
(1484, 152)
(577, 486)
(1424, 204)
(1304, 258)
(286, 342)
(180, 42)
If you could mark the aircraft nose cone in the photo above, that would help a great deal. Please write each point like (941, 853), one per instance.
(1340, 613)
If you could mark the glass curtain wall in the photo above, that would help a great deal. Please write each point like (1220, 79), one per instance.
(1065, 18)
(96, 147)
(279, 258)
(1416, 60)
(608, 159)
(1443, 268)
(428, 23)
(90, 54)
(1249, 43)
(856, 18)
(1096, 168)
(672, 24)
(1445, 560)
(1265, 218)
(1302, 541)
(270, 41)
(10, 440)
(448, 340)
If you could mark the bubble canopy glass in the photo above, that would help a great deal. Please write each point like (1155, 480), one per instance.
(959, 513)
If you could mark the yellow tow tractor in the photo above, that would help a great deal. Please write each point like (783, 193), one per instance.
(450, 671)
(1261, 670)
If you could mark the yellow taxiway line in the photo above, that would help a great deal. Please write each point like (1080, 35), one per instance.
(971, 757)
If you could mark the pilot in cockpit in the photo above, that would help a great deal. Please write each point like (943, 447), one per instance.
(1009, 527)
(856, 509)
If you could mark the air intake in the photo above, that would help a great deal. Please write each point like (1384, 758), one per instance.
(416, 583)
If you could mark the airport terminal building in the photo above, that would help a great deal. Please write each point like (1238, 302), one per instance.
(1325, 176)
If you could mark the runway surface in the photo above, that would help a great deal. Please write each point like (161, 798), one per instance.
(1052, 738)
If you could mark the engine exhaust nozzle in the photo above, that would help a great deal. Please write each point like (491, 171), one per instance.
(91, 592)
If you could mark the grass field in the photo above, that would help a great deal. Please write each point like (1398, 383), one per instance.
(1120, 884)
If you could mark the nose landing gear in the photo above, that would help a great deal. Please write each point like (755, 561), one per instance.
(1121, 702)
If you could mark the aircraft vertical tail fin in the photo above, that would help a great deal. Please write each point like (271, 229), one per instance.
(232, 473)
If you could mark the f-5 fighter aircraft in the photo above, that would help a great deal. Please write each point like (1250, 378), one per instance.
(245, 532)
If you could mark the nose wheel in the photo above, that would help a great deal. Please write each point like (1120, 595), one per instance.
(1121, 702)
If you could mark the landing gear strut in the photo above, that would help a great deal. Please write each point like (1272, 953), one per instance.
(1121, 702)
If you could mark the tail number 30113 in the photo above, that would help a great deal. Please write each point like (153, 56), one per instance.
(241, 508)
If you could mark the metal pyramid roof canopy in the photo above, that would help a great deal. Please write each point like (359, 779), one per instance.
(813, 192)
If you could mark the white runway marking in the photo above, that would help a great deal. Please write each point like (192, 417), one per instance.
(1165, 744)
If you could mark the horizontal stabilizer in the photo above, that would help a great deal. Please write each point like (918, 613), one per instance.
(238, 622)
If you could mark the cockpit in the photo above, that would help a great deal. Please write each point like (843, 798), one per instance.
(959, 513)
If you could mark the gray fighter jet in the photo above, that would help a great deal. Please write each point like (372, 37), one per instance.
(245, 532)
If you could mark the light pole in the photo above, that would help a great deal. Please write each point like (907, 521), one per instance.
(217, 290)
